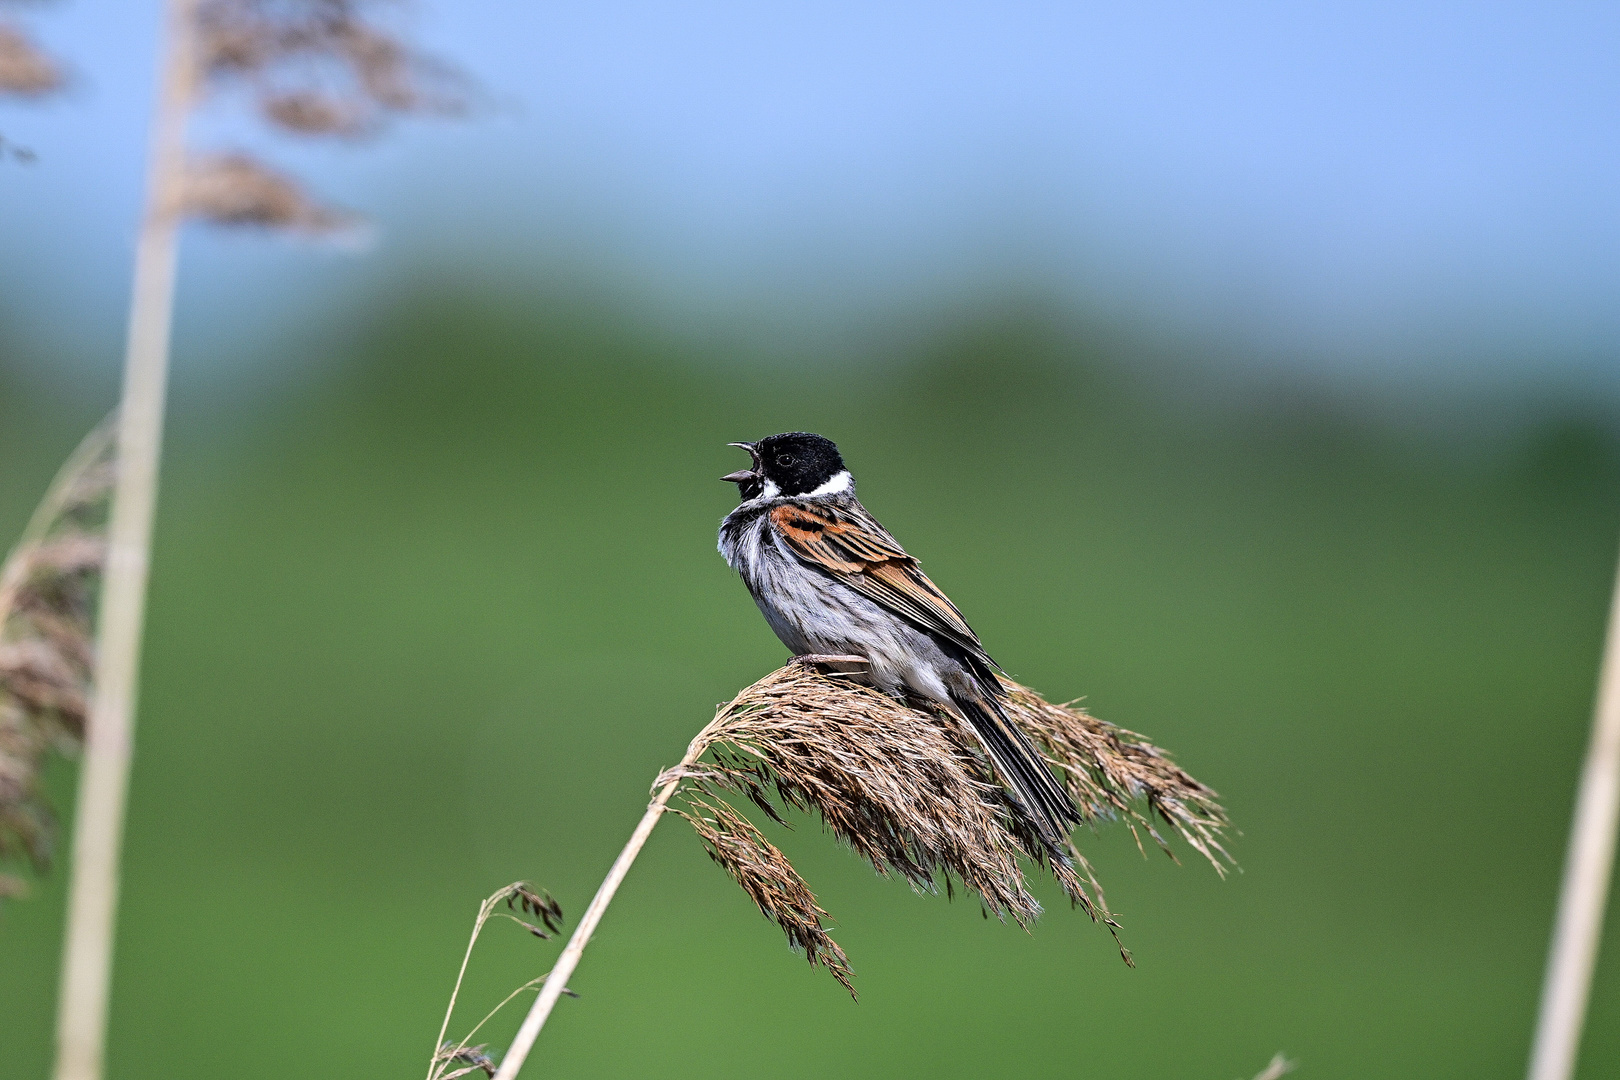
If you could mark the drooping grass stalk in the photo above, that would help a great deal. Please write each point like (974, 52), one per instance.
(553, 987)
(99, 824)
(1588, 866)
(447, 1055)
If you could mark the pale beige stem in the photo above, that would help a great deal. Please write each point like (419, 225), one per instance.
(569, 960)
(99, 821)
(1588, 865)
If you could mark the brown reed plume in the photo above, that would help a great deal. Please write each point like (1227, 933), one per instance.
(237, 189)
(26, 73)
(309, 68)
(907, 788)
(47, 601)
(25, 70)
(324, 67)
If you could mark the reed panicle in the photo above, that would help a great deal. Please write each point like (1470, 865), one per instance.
(25, 70)
(906, 787)
(47, 612)
(309, 68)
(238, 189)
(1114, 773)
(27, 73)
(324, 67)
(769, 879)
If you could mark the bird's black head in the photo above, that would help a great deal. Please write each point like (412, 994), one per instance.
(794, 463)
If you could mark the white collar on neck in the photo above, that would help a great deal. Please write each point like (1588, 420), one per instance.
(838, 485)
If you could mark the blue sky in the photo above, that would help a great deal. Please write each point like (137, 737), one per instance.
(1389, 190)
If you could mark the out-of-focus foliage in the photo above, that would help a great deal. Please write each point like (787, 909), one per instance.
(433, 619)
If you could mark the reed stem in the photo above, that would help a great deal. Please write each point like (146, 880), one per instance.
(98, 826)
(553, 987)
(1588, 866)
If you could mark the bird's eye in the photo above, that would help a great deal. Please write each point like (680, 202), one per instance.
(785, 459)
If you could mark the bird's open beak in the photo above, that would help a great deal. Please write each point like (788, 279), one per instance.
(743, 475)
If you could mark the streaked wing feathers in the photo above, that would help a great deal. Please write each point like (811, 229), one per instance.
(855, 549)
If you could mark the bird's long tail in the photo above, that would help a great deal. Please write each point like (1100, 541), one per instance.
(1021, 768)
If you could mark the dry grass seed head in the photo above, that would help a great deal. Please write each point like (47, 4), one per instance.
(518, 895)
(769, 879)
(235, 189)
(1111, 772)
(311, 67)
(321, 67)
(25, 71)
(908, 789)
(47, 616)
(472, 1058)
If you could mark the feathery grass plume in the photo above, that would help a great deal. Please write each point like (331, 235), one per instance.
(322, 67)
(537, 903)
(310, 67)
(25, 71)
(47, 601)
(1113, 773)
(906, 786)
(236, 189)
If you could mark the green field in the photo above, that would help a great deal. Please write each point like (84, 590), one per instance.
(431, 615)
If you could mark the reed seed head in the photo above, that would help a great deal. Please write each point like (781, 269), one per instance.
(239, 190)
(323, 67)
(25, 71)
(906, 786)
(47, 616)
(472, 1058)
(310, 67)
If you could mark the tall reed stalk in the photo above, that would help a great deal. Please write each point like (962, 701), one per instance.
(312, 68)
(556, 982)
(1588, 866)
(81, 1033)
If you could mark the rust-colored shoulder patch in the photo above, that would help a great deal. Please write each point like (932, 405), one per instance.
(869, 561)
(814, 536)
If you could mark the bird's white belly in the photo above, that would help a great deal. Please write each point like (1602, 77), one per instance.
(814, 613)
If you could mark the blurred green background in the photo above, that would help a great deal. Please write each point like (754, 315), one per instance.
(429, 615)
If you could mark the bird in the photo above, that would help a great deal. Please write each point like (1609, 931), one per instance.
(832, 582)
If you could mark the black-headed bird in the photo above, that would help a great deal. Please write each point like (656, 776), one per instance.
(831, 581)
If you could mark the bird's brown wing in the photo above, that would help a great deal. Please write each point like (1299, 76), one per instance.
(848, 544)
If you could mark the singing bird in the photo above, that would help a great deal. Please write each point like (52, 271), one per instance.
(831, 581)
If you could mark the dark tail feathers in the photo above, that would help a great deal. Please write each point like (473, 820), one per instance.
(1021, 768)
